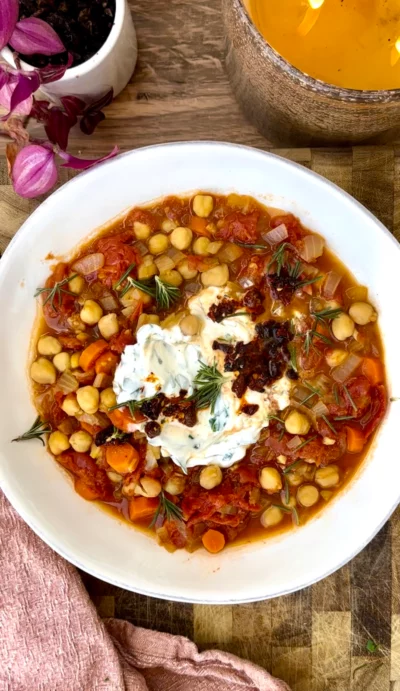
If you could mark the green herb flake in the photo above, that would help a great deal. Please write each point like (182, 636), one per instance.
(371, 646)
(207, 386)
(347, 392)
(167, 510)
(331, 427)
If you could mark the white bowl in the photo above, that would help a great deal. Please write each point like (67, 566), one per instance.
(111, 67)
(41, 491)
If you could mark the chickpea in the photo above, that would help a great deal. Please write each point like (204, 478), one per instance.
(148, 487)
(91, 312)
(141, 230)
(297, 423)
(362, 313)
(134, 295)
(75, 360)
(217, 276)
(167, 225)
(335, 357)
(76, 284)
(186, 271)
(82, 337)
(214, 247)
(62, 361)
(342, 327)
(58, 442)
(95, 451)
(203, 204)
(81, 441)
(172, 277)
(88, 399)
(270, 480)
(108, 325)
(108, 398)
(158, 243)
(146, 271)
(175, 484)
(327, 477)
(43, 371)
(210, 476)
(70, 405)
(200, 246)
(48, 345)
(271, 516)
(181, 238)
(190, 325)
(147, 319)
(307, 495)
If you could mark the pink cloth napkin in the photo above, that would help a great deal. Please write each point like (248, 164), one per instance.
(51, 638)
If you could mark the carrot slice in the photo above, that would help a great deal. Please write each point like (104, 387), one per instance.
(198, 225)
(142, 507)
(91, 353)
(122, 458)
(106, 363)
(373, 370)
(85, 491)
(355, 440)
(124, 420)
(213, 541)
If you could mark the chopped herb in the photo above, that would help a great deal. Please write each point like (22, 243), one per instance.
(207, 386)
(371, 646)
(307, 282)
(123, 278)
(290, 467)
(293, 357)
(286, 490)
(253, 247)
(144, 287)
(336, 394)
(286, 509)
(36, 431)
(164, 293)
(56, 292)
(306, 441)
(281, 435)
(295, 269)
(236, 314)
(321, 337)
(167, 510)
(347, 392)
(214, 424)
(275, 417)
(315, 392)
(331, 427)
(133, 405)
(344, 417)
(295, 515)
(307, 398)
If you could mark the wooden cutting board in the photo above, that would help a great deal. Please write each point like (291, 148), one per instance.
(315, 639)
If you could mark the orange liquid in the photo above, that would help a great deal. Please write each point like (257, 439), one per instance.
(349, 43)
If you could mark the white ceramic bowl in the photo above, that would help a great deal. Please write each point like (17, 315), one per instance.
(40, 490)
(111, 67)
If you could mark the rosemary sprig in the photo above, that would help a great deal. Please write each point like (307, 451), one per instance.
(293, 357)
(207, 386)
(305, 442)
(133, 405)
(327, 314)
(36, 431)
(275, 417)
(55, 292)
(307, 282)
(164, 293)
(123, 278)
(295, 269)
(286, 490)
(344, 417)
(290, 467)
(322, 337)
(288, 509)
(336, 394)
(167, 509)
(347, 392)
(278, 257)
(314, 392)
(331, 427)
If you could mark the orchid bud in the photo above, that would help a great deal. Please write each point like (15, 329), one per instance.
(33, 35)
(34, 171)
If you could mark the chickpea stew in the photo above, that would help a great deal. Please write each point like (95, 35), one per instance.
(206, 368)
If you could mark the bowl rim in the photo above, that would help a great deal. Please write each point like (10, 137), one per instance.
(52, 540)
(362, 96)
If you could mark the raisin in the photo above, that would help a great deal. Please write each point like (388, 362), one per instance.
(223, 309)
(224, 347)
(152, 407)
(292, 374)
(253, 300)
(152, 429)
(250, 408)
(239, 386)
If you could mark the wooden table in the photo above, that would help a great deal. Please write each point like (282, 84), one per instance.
(316, 639)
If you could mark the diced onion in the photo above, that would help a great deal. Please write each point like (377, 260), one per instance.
(296, 441)
(346, 369)
(309, 270)
(320, 409)
(102, 380)
(89, 264)
(300, 393)
(357, 293)
(141, 248)
(313, 246)
(331, 283)
(191, 288)
(127, 311)
(176, 255)
(276, 234)
(68, 426)
(67, 383)
(164, 263)
(109, 302)
(151, 461)
(229, 253)
(96, 420)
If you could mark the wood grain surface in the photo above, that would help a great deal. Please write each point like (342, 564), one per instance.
(315, 639)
